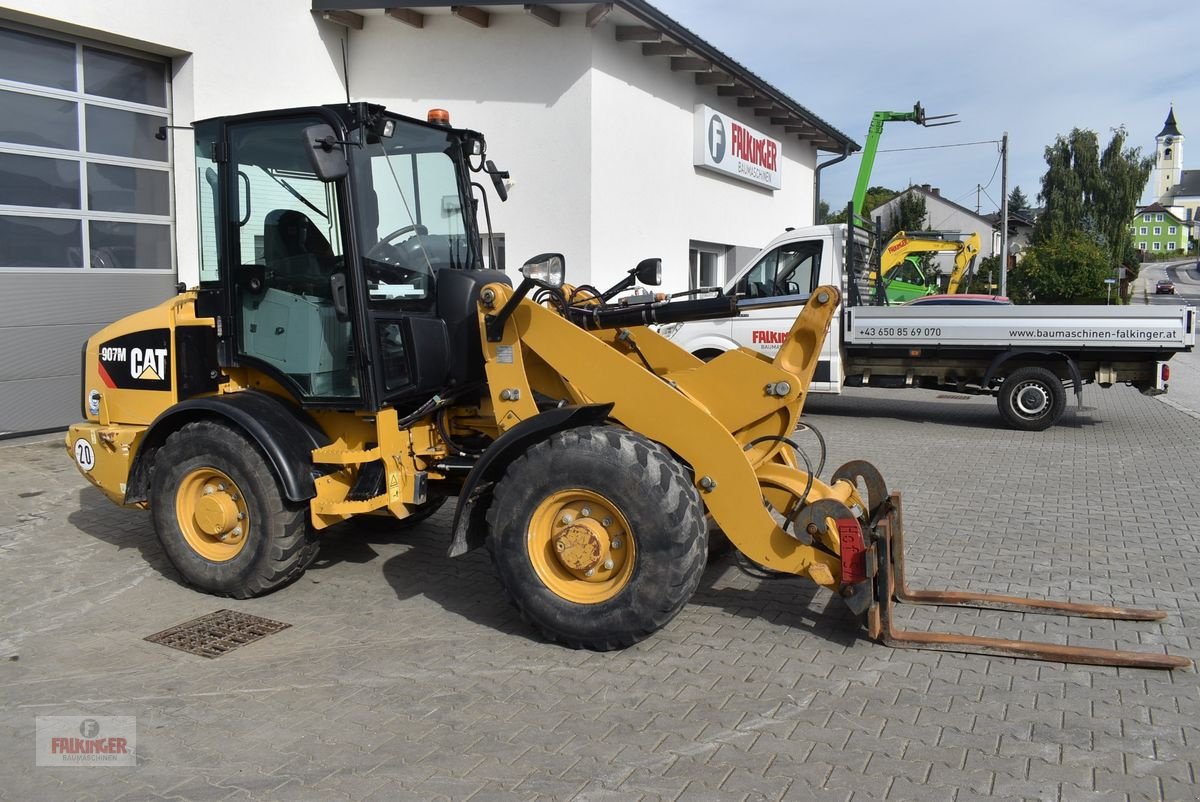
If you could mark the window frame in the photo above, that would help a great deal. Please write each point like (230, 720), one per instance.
(82, 157)
(697, 249)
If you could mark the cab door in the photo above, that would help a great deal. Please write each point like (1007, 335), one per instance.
(281, 256)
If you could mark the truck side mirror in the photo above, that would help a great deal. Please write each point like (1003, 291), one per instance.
(325, 153)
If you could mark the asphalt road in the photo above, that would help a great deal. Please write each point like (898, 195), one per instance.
(1184, 389)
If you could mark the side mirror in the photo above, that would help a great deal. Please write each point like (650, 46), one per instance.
(649, 271)
(545, 269)
(325, 153)
(498, 179)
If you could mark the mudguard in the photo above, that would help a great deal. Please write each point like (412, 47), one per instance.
(470, 526)
(1017, 353)
(285, 434)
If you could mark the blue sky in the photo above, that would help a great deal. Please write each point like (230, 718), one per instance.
(1033, 69)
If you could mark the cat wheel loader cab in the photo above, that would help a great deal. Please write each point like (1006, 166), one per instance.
(346, 357)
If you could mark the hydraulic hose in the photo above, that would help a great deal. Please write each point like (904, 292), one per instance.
(658, 312)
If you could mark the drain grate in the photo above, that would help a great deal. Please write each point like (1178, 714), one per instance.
(215, 634)
(951, 397)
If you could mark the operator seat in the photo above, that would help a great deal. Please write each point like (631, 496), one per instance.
(296, 251)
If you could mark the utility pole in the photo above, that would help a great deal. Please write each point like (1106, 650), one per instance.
(977, 190)
(1004, 214)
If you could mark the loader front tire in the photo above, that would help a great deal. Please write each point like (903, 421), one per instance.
(221, 515)
(1032, 399)
(598, 536)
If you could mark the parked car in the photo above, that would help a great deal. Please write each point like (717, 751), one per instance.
(961, 299)
(1164, 287)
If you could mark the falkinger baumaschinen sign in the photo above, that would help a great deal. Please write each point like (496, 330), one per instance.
(726, 146)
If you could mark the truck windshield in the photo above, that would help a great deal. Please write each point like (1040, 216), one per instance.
(410, 213)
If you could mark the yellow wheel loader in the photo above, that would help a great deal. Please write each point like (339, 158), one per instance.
(346, 354)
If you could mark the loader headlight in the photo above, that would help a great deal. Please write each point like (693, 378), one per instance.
(545, 270)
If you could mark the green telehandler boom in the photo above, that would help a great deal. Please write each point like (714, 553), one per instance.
(918, 116)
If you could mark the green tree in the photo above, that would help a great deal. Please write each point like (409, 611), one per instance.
(1125, 174)
(1093, 194)
(909, 215)
(1066, 269)
(1069, 186)
(822, 212)
(876, 197)
(1017, 202)
(985, 278)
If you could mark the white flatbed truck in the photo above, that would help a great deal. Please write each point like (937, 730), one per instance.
(1025, 355)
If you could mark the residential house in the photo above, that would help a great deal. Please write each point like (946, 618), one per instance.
(942, 214)
(1156, 229)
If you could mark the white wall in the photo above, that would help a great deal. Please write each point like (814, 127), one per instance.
(643, 121)
(525, 86)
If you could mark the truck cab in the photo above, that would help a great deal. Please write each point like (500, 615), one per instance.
(792, 265)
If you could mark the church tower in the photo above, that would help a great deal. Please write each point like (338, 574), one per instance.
(1168, 162)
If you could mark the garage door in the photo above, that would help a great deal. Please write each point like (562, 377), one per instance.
(86, 217)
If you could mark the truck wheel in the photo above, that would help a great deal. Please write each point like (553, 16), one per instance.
(598, 536)
(221, 515)
(1032, 399)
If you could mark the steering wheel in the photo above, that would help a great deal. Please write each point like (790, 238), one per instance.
(384, 251)
(417, 227)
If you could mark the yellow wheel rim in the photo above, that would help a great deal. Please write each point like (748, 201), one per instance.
(581, 546)
(212, 514)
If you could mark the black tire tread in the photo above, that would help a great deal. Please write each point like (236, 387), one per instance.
(672, 484)
(1058, 399)
(293, 545)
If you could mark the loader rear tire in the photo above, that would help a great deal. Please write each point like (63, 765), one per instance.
(1032, 399)
(222, 517)
(603, 500)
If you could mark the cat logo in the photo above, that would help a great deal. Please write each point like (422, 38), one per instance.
(148, 364)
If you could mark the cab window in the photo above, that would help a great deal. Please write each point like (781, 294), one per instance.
(287, 249)
(790, 269)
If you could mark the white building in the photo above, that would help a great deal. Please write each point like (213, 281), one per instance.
(621, 129)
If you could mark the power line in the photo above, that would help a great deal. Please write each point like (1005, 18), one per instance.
(937, 147)
(989, 197)
(994, 171)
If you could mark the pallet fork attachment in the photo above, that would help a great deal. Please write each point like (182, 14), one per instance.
(885, 570)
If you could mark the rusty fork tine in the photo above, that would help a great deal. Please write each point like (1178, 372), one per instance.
(887, 556)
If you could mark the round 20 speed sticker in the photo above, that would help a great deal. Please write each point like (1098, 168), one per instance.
(84, 455)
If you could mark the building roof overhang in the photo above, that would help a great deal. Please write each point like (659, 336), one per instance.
(638, 23)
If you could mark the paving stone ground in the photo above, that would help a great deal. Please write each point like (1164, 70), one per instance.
(406, 675)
